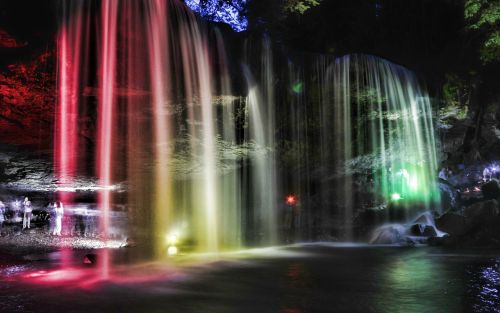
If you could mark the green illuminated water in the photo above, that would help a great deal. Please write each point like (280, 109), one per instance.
(379, 119)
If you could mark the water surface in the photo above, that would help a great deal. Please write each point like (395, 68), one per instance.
(297, 279)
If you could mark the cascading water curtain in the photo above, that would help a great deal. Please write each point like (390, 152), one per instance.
(152, 98)
(382, 128)
(262, 215)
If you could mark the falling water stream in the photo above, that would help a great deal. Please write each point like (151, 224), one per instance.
(150, 89)
(156, 100)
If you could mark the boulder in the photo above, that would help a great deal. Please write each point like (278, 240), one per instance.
(445, 240)
(389, 234)
(422, 230)
(452, 223)
(481, 213)
(429, 231)
(491, 189)
(449, 195)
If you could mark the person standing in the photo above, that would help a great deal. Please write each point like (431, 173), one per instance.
(28, 209)
(486, 175)
(443, 174)
(59, 215)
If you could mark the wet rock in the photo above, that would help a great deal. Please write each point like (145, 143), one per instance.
(449, 195)
(481, 213)
(422, 230)
(389, 234)
(36, 257)
(429, 231)
(416, 230)
(491, 189)
(445, 240)
(452, 223)
(90, 259)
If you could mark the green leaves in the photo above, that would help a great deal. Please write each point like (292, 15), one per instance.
(490, 51)
(484, 15)
(300, 6)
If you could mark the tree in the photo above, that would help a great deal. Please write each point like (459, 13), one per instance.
(300, 6)
(484, 16)
(27, 97)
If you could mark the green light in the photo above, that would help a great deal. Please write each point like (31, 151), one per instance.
(297, 87)
(395, 196)
(413, 183)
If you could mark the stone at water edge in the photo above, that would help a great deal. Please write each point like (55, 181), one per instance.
(422, 230)
(491, 189)
(481, 212)
(90, 259)
(452, 223)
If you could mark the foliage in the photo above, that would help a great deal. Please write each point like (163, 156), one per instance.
(300, 6)
(231, 12)
(456, 91)
(456, 99)
(27, 100)
(484, 15)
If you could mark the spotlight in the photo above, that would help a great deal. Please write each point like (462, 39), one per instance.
(413, 183)
(172, 250)
(298, 87)
(395, 196)
(291, 200)
(172, 239)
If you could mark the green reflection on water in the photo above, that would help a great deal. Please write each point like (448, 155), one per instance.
(418, 283)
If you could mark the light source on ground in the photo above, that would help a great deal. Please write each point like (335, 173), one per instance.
(172, 250)
(172, 239)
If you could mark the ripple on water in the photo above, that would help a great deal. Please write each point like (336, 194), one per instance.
(485, 287)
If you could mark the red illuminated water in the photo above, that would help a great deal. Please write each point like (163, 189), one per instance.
(126, 70)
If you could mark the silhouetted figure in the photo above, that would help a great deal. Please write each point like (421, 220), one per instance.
(28, 209)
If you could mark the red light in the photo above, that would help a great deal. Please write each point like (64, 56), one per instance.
(291, 200)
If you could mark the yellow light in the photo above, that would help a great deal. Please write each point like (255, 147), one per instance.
(172, 250)
(172, 239)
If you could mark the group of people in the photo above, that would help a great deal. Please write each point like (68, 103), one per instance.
(445, 173)
(56, 209)
(488, 173)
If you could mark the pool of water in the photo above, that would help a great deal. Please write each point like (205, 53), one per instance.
(295, 279)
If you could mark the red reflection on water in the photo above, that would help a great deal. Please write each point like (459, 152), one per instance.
(75, 277)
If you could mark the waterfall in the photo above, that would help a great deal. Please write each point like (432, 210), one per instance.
(146, 97)
(143, 84)
(379, 119)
